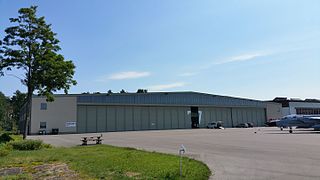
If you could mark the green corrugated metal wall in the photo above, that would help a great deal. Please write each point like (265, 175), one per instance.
(126, 118)
(231, 117)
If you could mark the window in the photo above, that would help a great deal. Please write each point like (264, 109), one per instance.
(43, 125)
(308, 111)
(43, 106)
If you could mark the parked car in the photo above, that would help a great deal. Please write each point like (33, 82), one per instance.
(242, 125)
(250, 124)
(215, 125)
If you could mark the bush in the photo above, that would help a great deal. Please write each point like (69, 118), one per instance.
(46, 146)
(29, 144)
(5, 137)
(4, 150)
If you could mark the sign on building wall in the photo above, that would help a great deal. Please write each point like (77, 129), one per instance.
(71, 124)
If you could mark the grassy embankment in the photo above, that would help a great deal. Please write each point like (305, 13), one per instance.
(107, 162)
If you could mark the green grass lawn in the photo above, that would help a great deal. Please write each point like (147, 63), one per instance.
(108, 162)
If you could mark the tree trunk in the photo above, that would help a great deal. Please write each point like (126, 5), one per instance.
(28, 113)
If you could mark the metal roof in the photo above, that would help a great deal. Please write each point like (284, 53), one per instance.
(168, 98)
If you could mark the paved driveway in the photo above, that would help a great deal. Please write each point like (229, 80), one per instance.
(230, 153)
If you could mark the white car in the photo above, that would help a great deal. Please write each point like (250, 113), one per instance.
(215, 125)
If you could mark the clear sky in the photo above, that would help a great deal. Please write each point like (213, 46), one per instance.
(248, 48)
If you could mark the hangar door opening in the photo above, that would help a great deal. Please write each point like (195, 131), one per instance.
(194, 117)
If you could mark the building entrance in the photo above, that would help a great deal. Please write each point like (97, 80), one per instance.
(194, 117)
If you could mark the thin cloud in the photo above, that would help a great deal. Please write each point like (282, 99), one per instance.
(188, 74)
(243, 57)
(128, 75)
(124, 75)
(161, 87)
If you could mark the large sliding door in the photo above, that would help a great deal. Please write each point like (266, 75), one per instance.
(92, 118)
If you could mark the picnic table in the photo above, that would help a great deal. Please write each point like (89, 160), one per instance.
(97, 139)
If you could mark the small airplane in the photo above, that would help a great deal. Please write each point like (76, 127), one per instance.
(299, 121)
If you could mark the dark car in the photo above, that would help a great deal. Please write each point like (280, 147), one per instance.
(250, 124)
(242, 125)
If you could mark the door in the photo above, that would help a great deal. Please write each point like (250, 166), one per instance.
(194, 117)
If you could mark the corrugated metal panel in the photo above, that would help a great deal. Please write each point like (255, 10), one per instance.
(120, 118)
(144, 118)
(101, 119)
(111, 119)
(174, 118)
(137, 118)
(153, 117)
(160, 118)
(215, 115)
(205, 117)
(188, 119)
(167, 118)
(261, 117)
(91, 119)
(81, 119)
(229, 122)
(181, 117)
(128, 118)
(182, 98)
(244, 115)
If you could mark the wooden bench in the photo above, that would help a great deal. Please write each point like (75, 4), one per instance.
(97, 139)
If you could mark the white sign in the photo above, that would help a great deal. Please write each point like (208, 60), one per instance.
(182, 149)
(71, 124)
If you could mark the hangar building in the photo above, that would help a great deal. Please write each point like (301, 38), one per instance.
(89, 113)
(298, 106)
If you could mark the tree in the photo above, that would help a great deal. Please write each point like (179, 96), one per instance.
(109, 91)
(122, 91)
(32, 47)
(142, 91)
(17, 101)
(4, 107)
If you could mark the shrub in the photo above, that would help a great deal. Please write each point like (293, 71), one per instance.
(46, 146)
(28, 145)
(5, 137)
(4, 150)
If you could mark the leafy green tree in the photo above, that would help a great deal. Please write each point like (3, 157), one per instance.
(17, 101)
(4, 112)
(109, 91)
(31, 46)
(123, 91)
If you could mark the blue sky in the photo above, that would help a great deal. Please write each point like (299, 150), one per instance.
(253, 49)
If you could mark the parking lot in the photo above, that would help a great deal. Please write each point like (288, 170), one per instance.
(255, 153)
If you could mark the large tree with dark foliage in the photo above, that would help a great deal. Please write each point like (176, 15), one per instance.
(123, 91)
(17, 101)
(32, 47)
(4, 112)
(142, 91)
